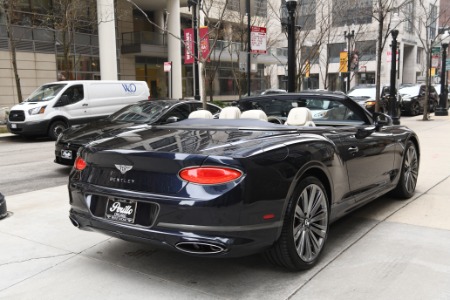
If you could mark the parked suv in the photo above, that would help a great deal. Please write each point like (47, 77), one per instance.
(413, 96)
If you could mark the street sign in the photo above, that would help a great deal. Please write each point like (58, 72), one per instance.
(258, 40)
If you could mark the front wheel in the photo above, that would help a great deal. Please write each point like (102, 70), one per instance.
(406, 185)
(56, 128)
(414, 110)
(305, 228)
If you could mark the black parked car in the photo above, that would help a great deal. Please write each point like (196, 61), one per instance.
(228, 188)
(131, 117)
(413, 96)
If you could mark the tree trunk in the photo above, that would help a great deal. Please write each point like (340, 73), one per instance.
(12, 47)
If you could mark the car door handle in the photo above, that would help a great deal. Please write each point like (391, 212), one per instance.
(85, 104)
(353, 149)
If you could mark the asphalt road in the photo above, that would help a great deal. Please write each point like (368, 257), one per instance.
(26, 164)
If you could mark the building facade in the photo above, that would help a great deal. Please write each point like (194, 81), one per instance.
(149, 34)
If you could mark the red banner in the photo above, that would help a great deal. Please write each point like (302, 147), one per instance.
(189, 44)
(204, 42)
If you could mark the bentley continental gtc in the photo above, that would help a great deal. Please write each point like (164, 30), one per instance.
(234, 187)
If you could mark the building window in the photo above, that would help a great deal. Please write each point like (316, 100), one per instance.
(433, 20)
(310, 54)
(408, 11)
(347, 12)
(259, 7)
(366, 50)
(306, 14)
(334, 51)
(419, 57)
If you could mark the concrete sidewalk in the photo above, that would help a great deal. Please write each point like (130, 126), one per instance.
(389, 249)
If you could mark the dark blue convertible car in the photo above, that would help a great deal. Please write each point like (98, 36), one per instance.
(233, 187)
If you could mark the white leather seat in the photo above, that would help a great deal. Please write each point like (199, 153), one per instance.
(254, 114)
(300, 116)
(230, 112)
(200, 114)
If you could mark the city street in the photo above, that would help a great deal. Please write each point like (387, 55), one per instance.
(389, 249)
(27, 165)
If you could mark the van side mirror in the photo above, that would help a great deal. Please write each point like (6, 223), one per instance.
(63, 101)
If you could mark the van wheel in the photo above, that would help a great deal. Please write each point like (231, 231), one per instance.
(56, 128)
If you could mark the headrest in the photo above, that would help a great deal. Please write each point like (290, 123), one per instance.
(300, 116)
(230, 112)
(200, 114)
(254, 114)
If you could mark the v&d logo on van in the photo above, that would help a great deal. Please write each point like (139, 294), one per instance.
(129, 87)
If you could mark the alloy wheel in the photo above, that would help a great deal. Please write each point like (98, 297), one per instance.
(411, 168)
(310, 222)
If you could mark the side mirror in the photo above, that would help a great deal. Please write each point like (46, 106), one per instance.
(63, 101)
(172, 119)
(382, 120)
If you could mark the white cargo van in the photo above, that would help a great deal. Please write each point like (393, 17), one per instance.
(57, 105)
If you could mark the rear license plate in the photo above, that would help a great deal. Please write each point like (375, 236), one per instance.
(67, 154)
(14, 126)
(121, 210)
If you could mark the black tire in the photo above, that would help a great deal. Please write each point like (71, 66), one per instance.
(56, 128)
(414, 109)
(406, 185)
(305, 228)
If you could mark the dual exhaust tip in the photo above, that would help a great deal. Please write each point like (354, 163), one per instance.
(190, 247)
(200, 248)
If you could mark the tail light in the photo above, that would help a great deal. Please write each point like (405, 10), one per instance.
(209, 175)
(80, 164)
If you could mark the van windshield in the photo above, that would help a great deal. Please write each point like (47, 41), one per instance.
(46, 92)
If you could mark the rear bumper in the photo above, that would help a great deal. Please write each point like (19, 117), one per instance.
(234, 238)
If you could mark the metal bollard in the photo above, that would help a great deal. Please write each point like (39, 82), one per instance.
(3, 210)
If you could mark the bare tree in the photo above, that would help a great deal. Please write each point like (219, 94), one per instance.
(67, 18)
(9, 10)
(426, 16)
(383, 13)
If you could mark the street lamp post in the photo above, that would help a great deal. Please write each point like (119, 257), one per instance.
(291, 6)
(348, 36)
(392, 94)
(441, 110)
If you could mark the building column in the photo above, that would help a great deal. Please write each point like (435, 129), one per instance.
(174, 47)
(107, 39)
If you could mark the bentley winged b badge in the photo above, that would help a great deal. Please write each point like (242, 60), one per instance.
(124, 168)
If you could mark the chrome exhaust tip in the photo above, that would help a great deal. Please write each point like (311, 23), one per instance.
(74, 222)
(200, 248)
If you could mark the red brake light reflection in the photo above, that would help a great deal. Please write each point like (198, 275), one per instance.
(80, 164)
(209, 175)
